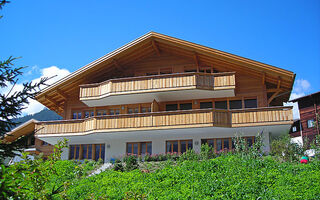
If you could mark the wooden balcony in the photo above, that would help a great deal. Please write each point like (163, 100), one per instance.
(167, 120)
(160, 87)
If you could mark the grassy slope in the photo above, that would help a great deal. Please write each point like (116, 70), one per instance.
(226, 177)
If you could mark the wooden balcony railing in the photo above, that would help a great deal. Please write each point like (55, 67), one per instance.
(158, 82)
(170, 119)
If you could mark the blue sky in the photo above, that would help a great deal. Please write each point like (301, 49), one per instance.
(70, 34)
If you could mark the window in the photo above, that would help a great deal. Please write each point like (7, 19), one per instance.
(114, 111)
(250, 103)
(171, 107)
(88, 113)
(205, 70)
(186, 106)
(139, 148)
(294, 129)
(220, 104)
(133, 110)
(235, 104)
(178, 146)
(87, 151)
(310, 123)
(74, 152)
(76, 115)
(44, 143)
(204, 105)
(145, 109)
(101, 112)
(220, 144)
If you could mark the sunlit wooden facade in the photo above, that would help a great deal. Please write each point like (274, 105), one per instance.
(158, 89)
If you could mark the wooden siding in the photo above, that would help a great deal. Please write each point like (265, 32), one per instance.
(158, 82)
(182, 119)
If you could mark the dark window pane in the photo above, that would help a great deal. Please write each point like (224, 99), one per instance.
(183, 146)
(97, 152)
(190, 144)
(171, 107)
(102, 152)
(185, 106)
(32, 140)
(117, 111)
(143, 148)
(249, 142)
(235, 104)
(77, 151)
(86, 114)
(92, 113)
(152, 73)
(84, 151)
(129, 148)
(130, 110)
(79, 115)
(71, 154)
(219, 144)
(250, 103)
(204, 105)
(226, 143)
(74, 115)
(136, 110)
(135, 148)
(233, 145)
(190, 70)
(169, 147)
(175, 146)
(149, 145)
(90, 151)
(111, 112)
(220, 104)
(211, 143)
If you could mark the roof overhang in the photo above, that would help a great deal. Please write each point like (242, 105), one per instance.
(54, 96)
(22, 130)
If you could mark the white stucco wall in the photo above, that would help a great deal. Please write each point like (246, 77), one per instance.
(115, 143)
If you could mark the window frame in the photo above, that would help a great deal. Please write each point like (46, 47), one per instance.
(139, 147)
(179, 145)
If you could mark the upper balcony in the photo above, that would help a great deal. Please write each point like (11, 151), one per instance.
(168, 87)
(199, 118)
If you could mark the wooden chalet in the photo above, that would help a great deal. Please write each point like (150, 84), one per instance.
(309, 107)
(160, 94)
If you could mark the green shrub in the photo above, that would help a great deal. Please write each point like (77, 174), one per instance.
(190, 154)
(207, 152)
(131, 162)
(118, 166)
(284, 150)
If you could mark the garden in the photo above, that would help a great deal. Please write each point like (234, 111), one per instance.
(244, 173)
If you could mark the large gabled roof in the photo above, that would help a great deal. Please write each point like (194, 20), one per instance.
(152, 42)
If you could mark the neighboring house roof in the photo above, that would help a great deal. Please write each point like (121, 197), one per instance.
(154, 43)
(305, 97)
(22, 130)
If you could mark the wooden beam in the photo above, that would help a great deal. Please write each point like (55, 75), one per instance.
(55, 104)
(196, 60)
(155, 47)
(279, 83)
(273, 90)
(62, 94)
(273, 96)
(263, 78)
(116, 63)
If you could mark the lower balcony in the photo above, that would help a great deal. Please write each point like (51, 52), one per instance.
(269, 116)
